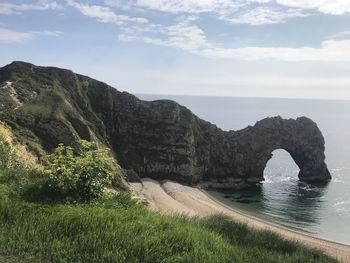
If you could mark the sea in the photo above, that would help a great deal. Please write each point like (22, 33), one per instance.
(323, 212)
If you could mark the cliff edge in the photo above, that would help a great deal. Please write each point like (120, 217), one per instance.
(160, 139)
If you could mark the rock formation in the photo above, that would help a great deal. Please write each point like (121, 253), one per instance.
(159, 139)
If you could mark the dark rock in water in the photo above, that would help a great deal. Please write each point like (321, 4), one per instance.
(245, 201)
(159, 139)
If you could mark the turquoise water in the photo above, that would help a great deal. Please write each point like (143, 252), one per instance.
(321, 211)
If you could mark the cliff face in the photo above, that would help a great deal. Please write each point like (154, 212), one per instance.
(160, 139)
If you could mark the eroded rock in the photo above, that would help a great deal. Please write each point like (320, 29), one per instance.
(159, 139)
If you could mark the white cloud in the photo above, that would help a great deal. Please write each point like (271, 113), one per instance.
(8, 36)
(253, 12)
(13, 8)
(192, 39)
(48, 33)
(132, 28)
(123, 4)
(187, 36)
(104, 14)
(191, 6)
(330, 50)
(182, 35)
(227, 10)
(264, 16)
(333, 7)
(238, 11)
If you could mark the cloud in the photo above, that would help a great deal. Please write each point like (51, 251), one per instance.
(183, 35)
(252, 12)
(48, 33)
(8, 36)
(330, 50)
(123, 4)
(187, 36)
(42, 5)
(132, 28)
(104, 14)
(191, 38)
(264, 16)
(332, 7)
(191, 6)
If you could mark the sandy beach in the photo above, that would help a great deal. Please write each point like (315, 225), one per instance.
(170, 197)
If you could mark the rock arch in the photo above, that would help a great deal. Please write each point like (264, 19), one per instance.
(300, 137)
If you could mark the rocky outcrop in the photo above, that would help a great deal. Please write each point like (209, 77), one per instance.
(159, 139)
(252, 147)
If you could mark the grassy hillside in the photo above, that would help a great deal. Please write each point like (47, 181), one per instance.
(46, 106)
(118, 229)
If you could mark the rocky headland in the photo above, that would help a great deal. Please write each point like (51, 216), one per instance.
(160, 139)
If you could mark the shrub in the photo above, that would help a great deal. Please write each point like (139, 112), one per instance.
(8, 158)
(82, 176)
(11, 168)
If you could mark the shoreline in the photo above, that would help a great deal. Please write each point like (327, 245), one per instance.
(173, 198)
(256, 216)
(273, 223)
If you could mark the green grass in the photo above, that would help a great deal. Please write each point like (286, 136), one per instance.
(118, 229)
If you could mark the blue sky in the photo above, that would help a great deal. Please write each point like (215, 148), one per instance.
(259, 48)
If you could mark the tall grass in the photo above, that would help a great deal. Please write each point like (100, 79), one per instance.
(118, 231)
(9, 149)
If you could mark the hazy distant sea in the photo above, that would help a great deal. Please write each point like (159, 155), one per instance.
(324, 212)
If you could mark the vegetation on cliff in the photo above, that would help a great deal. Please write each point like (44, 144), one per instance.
(116, 228)
(80, 176)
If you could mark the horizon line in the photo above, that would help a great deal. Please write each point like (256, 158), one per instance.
(240, 97)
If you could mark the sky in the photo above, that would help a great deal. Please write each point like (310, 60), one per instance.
(245, 48)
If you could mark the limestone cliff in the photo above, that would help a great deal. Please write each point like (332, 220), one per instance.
(160, 139)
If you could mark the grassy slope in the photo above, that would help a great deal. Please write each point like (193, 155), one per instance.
(114, 232)
(50, 113)
(120, 230)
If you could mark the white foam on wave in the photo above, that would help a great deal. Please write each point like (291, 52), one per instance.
(337, 180)
(271, 178)
(287, 179)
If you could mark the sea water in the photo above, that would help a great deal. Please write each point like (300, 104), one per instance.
(322, 211)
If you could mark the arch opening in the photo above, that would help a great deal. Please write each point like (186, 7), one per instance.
(280, 167)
